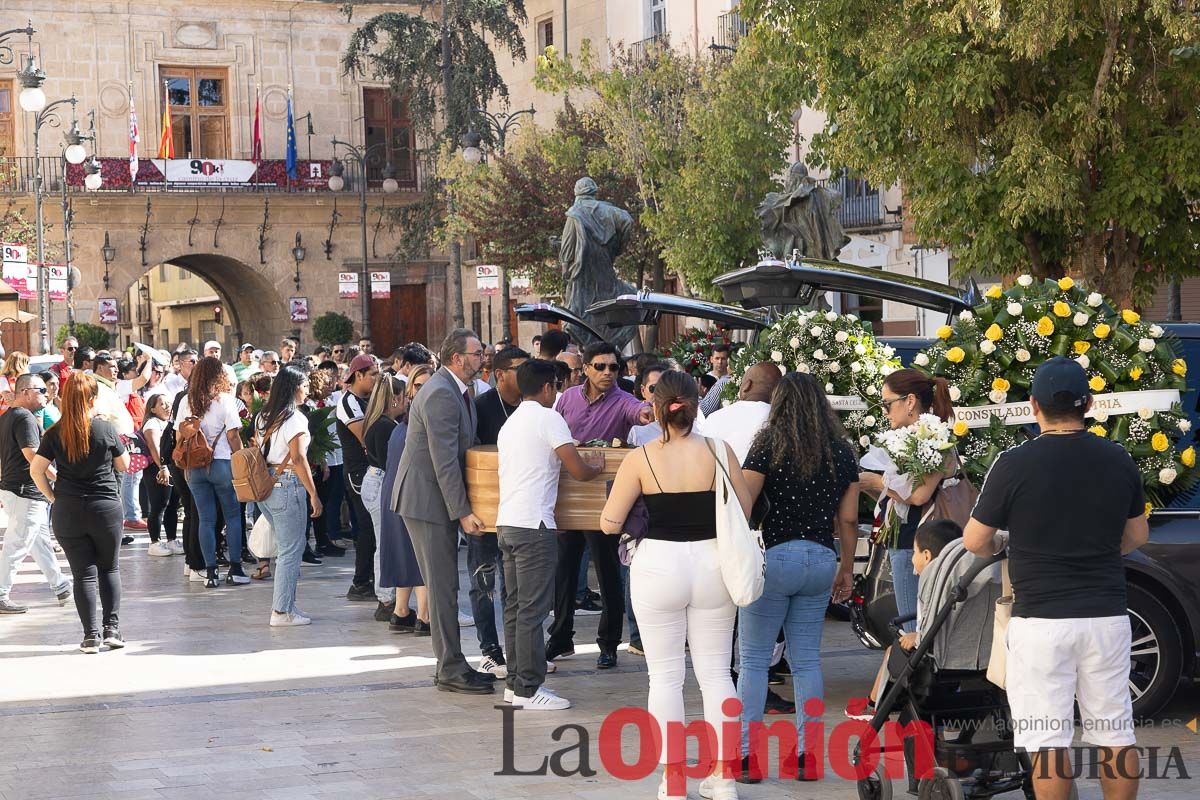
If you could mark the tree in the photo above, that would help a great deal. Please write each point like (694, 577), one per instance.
(444, 67)
(739, 127)
(333, 328)
(89, 335)
(1049, 136)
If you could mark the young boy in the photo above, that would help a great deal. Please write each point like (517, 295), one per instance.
(928, 543)
(532, 445)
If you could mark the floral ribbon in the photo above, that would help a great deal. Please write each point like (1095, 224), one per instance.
(1112, 404)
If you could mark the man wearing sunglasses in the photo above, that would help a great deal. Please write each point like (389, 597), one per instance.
(338, 353)
(596, 409)
(28, 512)
(63, 368)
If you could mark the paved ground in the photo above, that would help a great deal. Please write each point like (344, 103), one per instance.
(208, 702)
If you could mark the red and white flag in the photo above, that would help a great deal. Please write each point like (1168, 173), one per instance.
(134, 138)
(256, 147)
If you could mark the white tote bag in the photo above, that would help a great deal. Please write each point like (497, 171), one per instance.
(740, 549)
(262, 538)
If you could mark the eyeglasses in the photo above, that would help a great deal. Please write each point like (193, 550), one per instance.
(475, 353)
(70, 349)
(38, 389)
(887, 404)
(601, 366)
(268, 362)
(338, 352)
(649, 387)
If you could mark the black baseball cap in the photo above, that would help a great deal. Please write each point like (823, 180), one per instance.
(1060, 382)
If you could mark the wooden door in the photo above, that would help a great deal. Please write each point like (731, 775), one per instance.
(399, 319)
(7, 130)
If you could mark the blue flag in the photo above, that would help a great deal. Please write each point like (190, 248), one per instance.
(291, 141)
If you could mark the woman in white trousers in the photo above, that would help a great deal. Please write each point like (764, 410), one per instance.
(678, 595)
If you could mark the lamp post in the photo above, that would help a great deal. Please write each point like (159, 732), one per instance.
(298, 253)
(108, 253)
(499, 126)
(359, 155)
(74, 153)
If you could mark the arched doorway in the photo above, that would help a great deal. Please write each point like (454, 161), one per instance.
(202, 296)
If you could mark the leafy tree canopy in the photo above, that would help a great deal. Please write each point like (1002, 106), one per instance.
(1047, 135)
(333, 328)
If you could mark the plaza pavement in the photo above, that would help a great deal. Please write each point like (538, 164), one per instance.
(208, 702)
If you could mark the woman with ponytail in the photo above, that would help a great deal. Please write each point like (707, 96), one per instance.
(86, 511)
(906, 395)
(675, 579)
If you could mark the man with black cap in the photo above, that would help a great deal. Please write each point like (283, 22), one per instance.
(1071, 501)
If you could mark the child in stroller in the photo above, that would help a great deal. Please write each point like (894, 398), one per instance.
(955, 733)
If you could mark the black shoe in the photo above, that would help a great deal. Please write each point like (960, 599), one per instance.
(555, 652)
(607, 659)
(484, 677)
(248, 557)
(421, 628)
(465, 686)
(126, 539)
(310, 557)
(213, 580)
(777, 705)
(331, 551)
(236, 576)
(405, 624)
(802, 769)
(383, 612)
(222, 561)
(362, 594)
(783, 668)
(90, 645)
(751, 771)
(774, 678)
(588, 607)
(112, 638)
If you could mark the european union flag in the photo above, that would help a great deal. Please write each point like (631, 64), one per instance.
(291, 142)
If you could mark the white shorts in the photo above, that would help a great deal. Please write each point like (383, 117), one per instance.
(1053, 662)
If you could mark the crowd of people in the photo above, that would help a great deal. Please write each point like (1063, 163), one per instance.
(369, 454)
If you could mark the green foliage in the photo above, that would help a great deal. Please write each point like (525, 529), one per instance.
(94, 336)
(1050, 136)
(333, 328)
(322, 441)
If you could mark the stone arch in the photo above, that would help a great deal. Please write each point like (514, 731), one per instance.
(256, 310)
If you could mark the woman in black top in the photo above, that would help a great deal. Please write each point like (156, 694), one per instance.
(809, 473)
(86, 511)
(388, 401)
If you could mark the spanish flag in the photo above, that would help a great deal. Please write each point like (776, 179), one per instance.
(166, 144)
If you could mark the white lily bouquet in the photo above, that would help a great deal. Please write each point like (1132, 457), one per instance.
(908, 456)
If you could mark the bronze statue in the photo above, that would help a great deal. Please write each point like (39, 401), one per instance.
(594, 235)
(802, 219)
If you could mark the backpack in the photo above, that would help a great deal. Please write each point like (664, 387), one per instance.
(166, 442)
(252, 477)
(192, 448)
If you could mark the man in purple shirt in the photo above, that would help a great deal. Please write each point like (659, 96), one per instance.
(596, 409)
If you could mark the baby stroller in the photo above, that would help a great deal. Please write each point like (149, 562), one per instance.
(957, 739)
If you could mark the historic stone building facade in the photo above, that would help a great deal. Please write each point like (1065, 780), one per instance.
(238, 234)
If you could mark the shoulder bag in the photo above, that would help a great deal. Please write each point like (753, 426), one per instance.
(954, 499)
(741, 551)
(997, 671)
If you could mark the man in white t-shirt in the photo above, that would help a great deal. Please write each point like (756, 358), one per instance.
(533, 443)
(738, 423)
(183, 362)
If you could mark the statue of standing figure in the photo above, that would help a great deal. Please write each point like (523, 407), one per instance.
(803, 218)
(594, 235)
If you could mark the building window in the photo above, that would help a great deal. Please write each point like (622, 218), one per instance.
(165, 339)
(656, 18)
(545, 33)
(477, 317)
(7, 128)
(387, 122)
(184, 335)
(199, 111)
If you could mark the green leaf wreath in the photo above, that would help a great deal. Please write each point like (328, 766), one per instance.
(990, 353)
(839, 350)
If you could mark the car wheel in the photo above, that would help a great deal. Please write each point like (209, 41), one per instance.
(1155, 654)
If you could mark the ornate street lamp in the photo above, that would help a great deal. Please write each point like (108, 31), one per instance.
(109, 253)
(298, 253)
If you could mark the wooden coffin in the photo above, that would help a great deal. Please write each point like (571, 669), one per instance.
(579, 502)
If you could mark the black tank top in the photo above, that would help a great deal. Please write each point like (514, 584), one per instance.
(680, 516)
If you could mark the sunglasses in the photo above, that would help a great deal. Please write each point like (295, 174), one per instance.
(38, 389)
(887, 404)
(338, 352)
(603, 367)
(71, 349)
(650, 387)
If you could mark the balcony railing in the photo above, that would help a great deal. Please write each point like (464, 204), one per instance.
(646, 48)
(17, 177)
(730, 30)
(862, 204)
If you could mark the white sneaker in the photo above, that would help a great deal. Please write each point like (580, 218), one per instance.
(544, 700)
(196, 576)
(465, 620)
(714, 787)
(160, 549)
(551, 667)
(288, 620)
(345, 544)
(176, 547)
(488, 664)
(508, 695)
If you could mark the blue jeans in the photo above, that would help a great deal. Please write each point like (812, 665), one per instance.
(486, 566)
(905, 584)
(130, 482)
(799, 579)
(287, 511)
(212, 487)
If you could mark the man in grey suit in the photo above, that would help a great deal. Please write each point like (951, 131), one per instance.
(431, 495)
